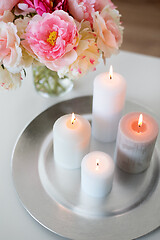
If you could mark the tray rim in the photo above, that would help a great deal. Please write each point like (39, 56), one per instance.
(12, 163)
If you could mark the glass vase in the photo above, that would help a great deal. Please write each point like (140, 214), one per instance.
(48, 83)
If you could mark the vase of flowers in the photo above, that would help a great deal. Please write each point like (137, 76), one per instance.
(65, 37)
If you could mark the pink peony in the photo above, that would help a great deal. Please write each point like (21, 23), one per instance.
(29, 3)
(109, 31)
(82, 9)
(24, 9)
(42, 6)
(7, 5)
(52, 38)
(60, 5)
(100, 4)
(10, 51)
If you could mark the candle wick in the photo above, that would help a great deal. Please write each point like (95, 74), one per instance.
(73, 121)
(110, 77)
(97, 164)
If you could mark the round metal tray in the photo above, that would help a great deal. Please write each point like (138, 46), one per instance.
(53, 196)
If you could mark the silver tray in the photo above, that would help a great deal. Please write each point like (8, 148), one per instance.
(53, 196)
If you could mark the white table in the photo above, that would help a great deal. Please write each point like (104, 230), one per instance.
(19, 107)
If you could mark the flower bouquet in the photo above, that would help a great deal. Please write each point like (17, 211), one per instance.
(63, 39)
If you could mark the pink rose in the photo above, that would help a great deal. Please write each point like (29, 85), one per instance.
(7, 5)
(100, 4)
(82, 9)
(109, 30)
(52, 38)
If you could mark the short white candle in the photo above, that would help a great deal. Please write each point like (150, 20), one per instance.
(135, 142)
(97, 170)
(108, 101)
(71, 140)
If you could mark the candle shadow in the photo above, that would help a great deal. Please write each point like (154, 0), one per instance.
(128, 179)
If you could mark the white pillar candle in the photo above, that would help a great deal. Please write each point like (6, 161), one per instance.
(71, 140)
(135, 142)
(108, 101)
(97, 170)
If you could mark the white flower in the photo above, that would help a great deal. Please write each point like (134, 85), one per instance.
(7, 16)
(9, 80)
(21, 24)
(87, 54)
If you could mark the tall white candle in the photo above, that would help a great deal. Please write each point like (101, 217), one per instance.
(71, 140)
(97, 170)
(108, 102)
(136, 139)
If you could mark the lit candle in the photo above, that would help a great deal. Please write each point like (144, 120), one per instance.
(71, 140)
(97, 170)
(108, 102)
(136, 139)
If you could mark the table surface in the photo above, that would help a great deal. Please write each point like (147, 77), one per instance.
(19, 107)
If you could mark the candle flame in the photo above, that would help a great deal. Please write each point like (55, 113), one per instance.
(140, 121)
(111, 72)
(73, 119)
